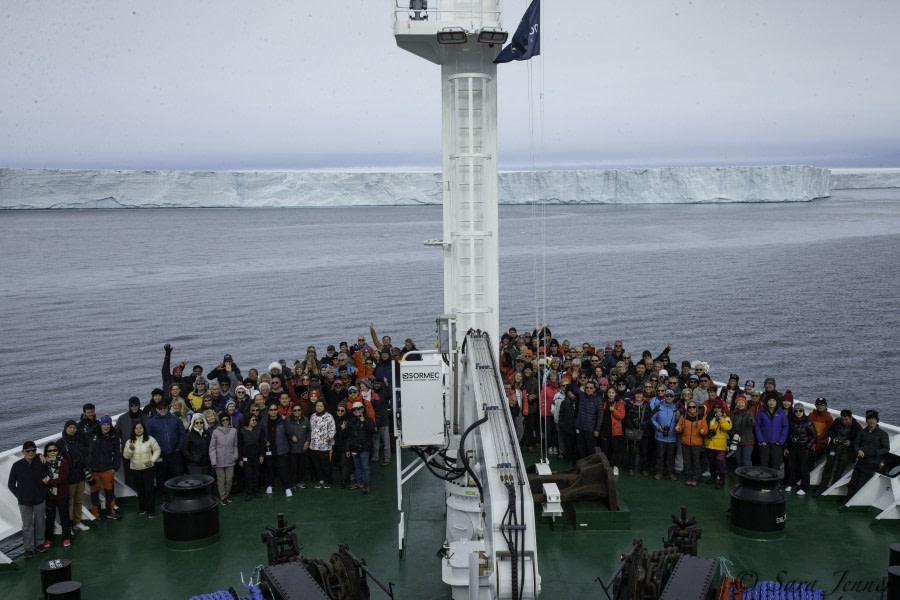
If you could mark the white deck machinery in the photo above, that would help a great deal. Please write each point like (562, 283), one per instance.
(454, 412)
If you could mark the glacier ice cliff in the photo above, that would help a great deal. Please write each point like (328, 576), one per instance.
(848, 179)
(57, 188)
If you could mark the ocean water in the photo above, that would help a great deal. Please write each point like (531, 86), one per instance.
(803, 292)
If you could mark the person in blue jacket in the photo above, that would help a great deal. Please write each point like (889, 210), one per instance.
(664, 420)
(169, 433)
(771, 432)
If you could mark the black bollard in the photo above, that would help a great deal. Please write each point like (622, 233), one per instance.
(190, 513)
(757, 505)
(54, 571)
(64, 590)
(894, 560)
(893, 583)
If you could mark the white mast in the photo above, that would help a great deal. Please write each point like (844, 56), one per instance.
(464, 37)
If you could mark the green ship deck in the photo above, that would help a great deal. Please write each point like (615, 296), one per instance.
(845, 553)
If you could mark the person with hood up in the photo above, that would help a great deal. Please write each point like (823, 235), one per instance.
(223, 454)
(142, 451)
(801, 442)
(104, 459)
(195, 398)
(771, 432)
(73, 446)
(693, 430)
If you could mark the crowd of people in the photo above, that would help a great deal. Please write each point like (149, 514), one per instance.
(299, 425)
(324, 417)
(655, 416)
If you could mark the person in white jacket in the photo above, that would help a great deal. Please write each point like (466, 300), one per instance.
(143, 452)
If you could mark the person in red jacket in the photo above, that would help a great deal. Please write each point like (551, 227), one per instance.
(822, 422)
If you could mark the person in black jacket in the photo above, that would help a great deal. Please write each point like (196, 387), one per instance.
(800, 443)
(250, 450)
(638, 432)
(359, 445)
(870, 445)
(73, 446)
(196, 447)
(840, 441)
(104, 459)
(27, 482)
(565, 424)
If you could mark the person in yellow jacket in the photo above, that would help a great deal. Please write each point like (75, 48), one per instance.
(718, 424)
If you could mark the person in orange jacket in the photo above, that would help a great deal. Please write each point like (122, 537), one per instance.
(692, 428)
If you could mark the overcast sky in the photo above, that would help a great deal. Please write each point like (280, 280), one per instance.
(311, 84)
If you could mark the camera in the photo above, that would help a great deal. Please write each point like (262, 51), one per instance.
(88, 476)
(732, 447)
(665, 430)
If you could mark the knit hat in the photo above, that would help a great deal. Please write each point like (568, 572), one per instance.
(70, 422)
(846, 413)
(135, 401)
(741, 397)
(750, 383)
(356, 405)
(734, 376)
(770, 380)
(821, 401)
(872, 414)
(603, 380)
(200, 380)
(787, 396)
(274, 365)
(685, 363)
(106, 420)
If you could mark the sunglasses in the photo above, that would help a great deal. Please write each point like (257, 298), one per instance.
(30, 450)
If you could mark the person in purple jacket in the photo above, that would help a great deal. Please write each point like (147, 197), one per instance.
(771, 432)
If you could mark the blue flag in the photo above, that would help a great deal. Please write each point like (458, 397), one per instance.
(527, 40)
